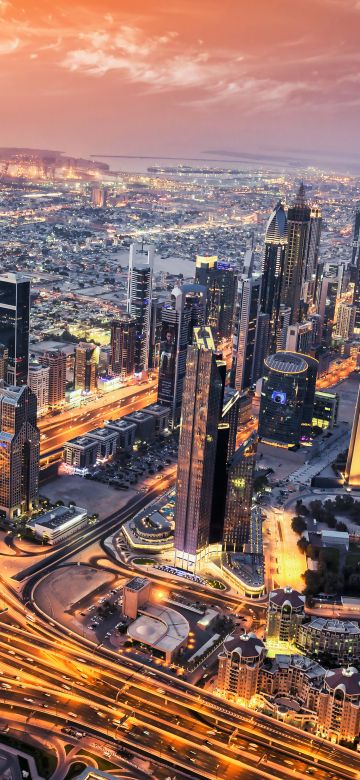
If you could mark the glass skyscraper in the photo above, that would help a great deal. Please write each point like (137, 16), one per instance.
(139, 299)
(14, 325)
(19, 450)
(220, 280)
(273, 269)
(295, 259)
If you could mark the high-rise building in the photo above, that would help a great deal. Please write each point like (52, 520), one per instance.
(139, 299)
(19, 450)
(284, 322)
(4, 356)
(246, 317)
(56, 360)
(286, 612)
(329, 293)
(155, 332)
(339, 705)
(276, 238)
(220, 281)
(312, 257)
(39, 385)
(239, 666)
(14, 325)
(296, 252)
(230, 414)
(240, 485)
(287, 398)
(195, 300)
(123, 339)
(200, 414)
(86, 363)
(345, 323)
(175, 333)
(352, 471)
(99, 197)
(355, 256)
(261, 346)
(299, 337)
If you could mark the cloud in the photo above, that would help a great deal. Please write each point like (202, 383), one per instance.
(9, 46)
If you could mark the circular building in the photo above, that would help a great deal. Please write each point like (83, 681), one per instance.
(239, 665)
(287, 397)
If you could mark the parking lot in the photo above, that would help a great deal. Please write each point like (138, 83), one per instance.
(128, 468)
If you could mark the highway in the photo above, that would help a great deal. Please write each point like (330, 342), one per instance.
(66, 679)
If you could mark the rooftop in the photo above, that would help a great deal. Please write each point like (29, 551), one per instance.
(137, 583)
(59, 516)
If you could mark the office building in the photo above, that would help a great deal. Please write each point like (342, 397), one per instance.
(107, 440)
(81, 452)
(175, 334)
(287, 398)
(139, 299)
(86, 364)
(19, 450)
(39, 384)
(261, 351)
(246, 316)
(355, 266)
(59, 524)
(98, 197)
(296, 251)
(136, 593)
(200, 415)
(232, 405)
(219, 487)
(155, 332)
(239, 666)
(352, 471)
(273, 270)
(56, 361)
(145, 425)
(239, 493)
(286, 612)
(125, 430)
(339, 705)
(284, 322)
(219, 278)
(326, 409)
(329, 292)
(123, 341)
(299, 337)
(195, 301)
(4, 355)
(14, 325)
(310, 278)
(338, 640)
(161, 415)
(345, 323)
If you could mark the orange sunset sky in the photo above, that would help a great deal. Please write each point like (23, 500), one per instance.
(181, 77)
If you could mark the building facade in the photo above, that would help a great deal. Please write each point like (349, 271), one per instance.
(123, 341)
(220, 281)
(86, 364)
(19, 450)
(276, 238)
(139, 299)
(240, 486)
(298, 226)
(14, 325)
(239, 667)
(286, 612)
(39, 385)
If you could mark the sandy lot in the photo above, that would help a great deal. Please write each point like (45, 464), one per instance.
(93, 496)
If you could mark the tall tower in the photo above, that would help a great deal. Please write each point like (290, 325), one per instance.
(245, 331)
(276, 238)
(220, 280)
(295, 258)
(310, 278)
(139, 297)
(239, 495)
(123, 339)
(19, 450)
(352, 471)
(14, 325)
(56, 360)
(200, 414)
(86, 363)
(173, 347)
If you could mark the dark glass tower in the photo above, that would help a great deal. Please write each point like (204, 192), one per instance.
(19, 450)
(296, 251)
(200, 415)
(239, 496)
(220, 281)
(273, 269)
(245, 327)
(139, 298)
(175, 332)
(14, 325)
(123, 339)
(355, 267)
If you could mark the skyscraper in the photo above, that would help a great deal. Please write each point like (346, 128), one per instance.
(56, 360)
(14, 325)
(352, 471)
(276, 238)
(230, 414)
(19, 450)
(200, 414)
(246, 316)
(312, 257)
(329, 293)
(123, 340)
(173, 347)
(296, 251)
(240, 486)
(261, 346)
(86, 363)
(220, 281)
(139, 298)
(4, 355)
(39, 385)
(355, 256)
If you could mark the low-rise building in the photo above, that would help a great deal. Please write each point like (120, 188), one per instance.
(125, 430)
(59, 524)
(81, 452)
(107, 440)
(136, 593)
(145, 425)
(338, 640)
(161, 415)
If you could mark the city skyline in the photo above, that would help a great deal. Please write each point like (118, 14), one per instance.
(209, 84)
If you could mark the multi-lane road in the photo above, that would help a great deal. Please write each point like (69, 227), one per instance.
(52, 677)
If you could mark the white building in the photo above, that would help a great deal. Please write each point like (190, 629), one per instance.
(39, 384)
(58, 524)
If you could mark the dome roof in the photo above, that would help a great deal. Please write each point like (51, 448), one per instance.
(348, 679)
(287, 596)
(246, 645)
